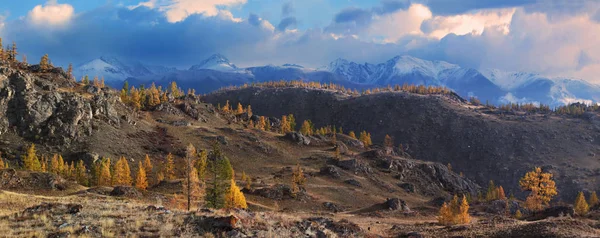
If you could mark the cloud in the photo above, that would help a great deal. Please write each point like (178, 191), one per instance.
(52, 13)
(287, 9)
(179, 10)
(288, 22)
(475, 23)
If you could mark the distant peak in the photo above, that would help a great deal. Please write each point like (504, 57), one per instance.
(215, 62)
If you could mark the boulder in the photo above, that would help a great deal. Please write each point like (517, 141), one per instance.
(408, 187)
(355, 166)
(330, 171)
(53, 209)
(297, 137)
(125, 191)
(333, 207)
(343, 148)
(395, 204)
(280, 192)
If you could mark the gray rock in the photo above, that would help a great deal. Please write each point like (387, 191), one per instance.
(396, 204)
(297, 137)
(353, 182)
(330, 171)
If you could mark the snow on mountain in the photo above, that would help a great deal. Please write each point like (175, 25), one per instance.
(112, 69)
(216, 62)
(509, 80)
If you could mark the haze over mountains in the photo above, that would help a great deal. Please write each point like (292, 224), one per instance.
(491, 85)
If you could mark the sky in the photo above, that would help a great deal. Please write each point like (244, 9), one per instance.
(557, 38)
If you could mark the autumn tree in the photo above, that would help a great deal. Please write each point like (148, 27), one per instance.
(170, 167)
(201, 164)
(292, 122)
(30, 159)
(70, 71)
(445, 216)
(581, 206)
(593, 199)
(54, 167)
(365, 138)
(285, 125)
(249, 111)
(455, 212)
(122, 173)
(388, 141)
(191, 181)
(135, 99)
(141, 181)
(306, 128)
(492, 192)
(500, 193)
(174, 90)
(44, 63)
(240, 108)
(533, 202)
(540, 182)
(81, 173)
(226, 108)
(518, 214)
(234, 197)
(147, 165)
(262, 123)
(352, 135)
(104, 175)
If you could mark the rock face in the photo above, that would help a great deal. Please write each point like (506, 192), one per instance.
(499, 207)
(396, 204)
(330, 171)
(42, 108)
(12, 179)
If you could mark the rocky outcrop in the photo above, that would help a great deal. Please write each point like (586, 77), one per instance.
(297, 138)
(125, 191)
(11, 179)
(46, 108)
(396, 204)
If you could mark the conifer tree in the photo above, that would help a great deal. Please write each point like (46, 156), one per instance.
(174, 90)
(262, 123)
(445, 215)
(518, 214)
(1, 50)
(62, 168)
(298, 176)
(305, 129)
(285, 125)
(2, 164)
(44, 63)
(44, 163)
(234, 197)
(492, 192)
(500, 193)
(30, 159)
(533, 201)
(104, 178)
(24, 59)
(141, 181)
(593, 199)
(364, 137)
(190, 155)
(81, 173)
(292, 121)
(147, 166)
(72, 172)
(13, 52)
(122, 172)
(240, 108)
(221, 173)
(388, 141)
(463, 216)
(70, 71)
(170, 167)
(201, 165)
(226, 107)
(249, 111)
(352, 135)
(541, 182)
(581, 206)
(135, 99)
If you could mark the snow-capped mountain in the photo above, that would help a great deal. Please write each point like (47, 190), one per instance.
(113, 69)
(216, 62)
(495, 86)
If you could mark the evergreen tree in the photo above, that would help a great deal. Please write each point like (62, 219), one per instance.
(221, 172)
(170, 167)
(201, 165)
(81, 173)
(581, 206)
(13, 52)
(234, 197)
(141, 181)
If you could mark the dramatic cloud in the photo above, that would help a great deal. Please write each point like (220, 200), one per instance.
(287, 9)
(179, 10)
(51, 13)
(517, 38)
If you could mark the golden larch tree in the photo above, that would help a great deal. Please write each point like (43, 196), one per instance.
(234, 197)
(170, 167)
(30, 159)
(463, 215)
(306, 129)
(388, 141)
(81, 173)
(352, 135)
(240, 108)
(45, 63)
(593, 199)
(141, 181)
(541, 182)
(445, 216)
(500, 193)
(104, 177)
(581, 206)
(249, 111)
(147, 164)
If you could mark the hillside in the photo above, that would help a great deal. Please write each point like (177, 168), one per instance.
(350, 190)
(484, 144)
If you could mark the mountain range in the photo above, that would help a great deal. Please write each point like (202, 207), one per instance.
(495, 86)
